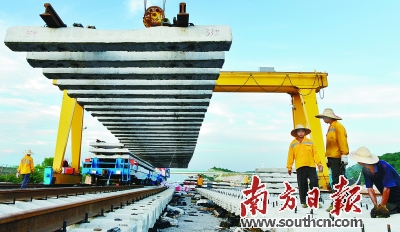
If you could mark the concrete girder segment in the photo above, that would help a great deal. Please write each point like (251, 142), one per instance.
(196, 128)
(151, 92)
(143, 102)
(95, 108)
(147, 114)
(74, 39)
(156, 139)
(151, 119)
(100, 61)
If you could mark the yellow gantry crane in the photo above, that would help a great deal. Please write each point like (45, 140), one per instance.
(301, 86)
(71, 120)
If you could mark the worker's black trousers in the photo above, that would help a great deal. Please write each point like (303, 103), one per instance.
(336, 168)
(303, 174)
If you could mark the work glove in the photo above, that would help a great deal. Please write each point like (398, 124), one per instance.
(289, 172)
(344, 160)
(382, 211)
(320, 168)
(17, 174)
(374, 212)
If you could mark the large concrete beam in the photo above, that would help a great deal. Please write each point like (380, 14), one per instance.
(134, 84)
(151, 124)
(155, 132)
(139, 145)
(154, 127)
(127, 140)
(157, 139)
(185, 148)
(159, 144)
(160, 150)
(156, 135)
(116, 111)
(164, 153)
(150, 119)
(150, 87)
(144, 101)
(156, 146)
(116, 108)
(111, 59)
(133, 138)
(74, 39)
(160, 113)
(177, 94)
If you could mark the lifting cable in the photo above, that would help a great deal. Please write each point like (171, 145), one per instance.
(286, 77)
(145, 5)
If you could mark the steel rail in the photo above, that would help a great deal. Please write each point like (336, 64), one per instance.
(14, 186)
(44, 193)
(52, 218)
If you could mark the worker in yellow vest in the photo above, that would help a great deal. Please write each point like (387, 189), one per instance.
(337, 147)
(199, 180)
(246, 180)
(26, 168)
(302, 151)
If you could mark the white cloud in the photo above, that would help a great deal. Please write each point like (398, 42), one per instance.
(34, 142)
(365, 94)
(375, 115)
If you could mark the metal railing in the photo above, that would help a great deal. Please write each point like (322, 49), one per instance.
(8, 169)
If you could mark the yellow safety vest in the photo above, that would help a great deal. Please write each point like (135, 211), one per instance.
(26, 165)
(304, 154)
(336, 141)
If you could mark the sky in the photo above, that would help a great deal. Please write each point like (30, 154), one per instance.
(355, 42)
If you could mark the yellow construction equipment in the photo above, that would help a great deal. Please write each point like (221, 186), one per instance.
(71, 119)
(302, 87)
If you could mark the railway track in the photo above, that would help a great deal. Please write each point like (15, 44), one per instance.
(43, 193)
(17, 186)
(54, 218)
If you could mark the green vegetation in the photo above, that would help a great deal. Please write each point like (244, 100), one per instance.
(35, 178)
(11, 178)
(392, 158)
(215, 169)
(353, 172)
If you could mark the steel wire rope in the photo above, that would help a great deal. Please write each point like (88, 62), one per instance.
(269, 91)
(239, 87)
(322, 90)
(311, 89)
(287, 76)
(145, 5)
